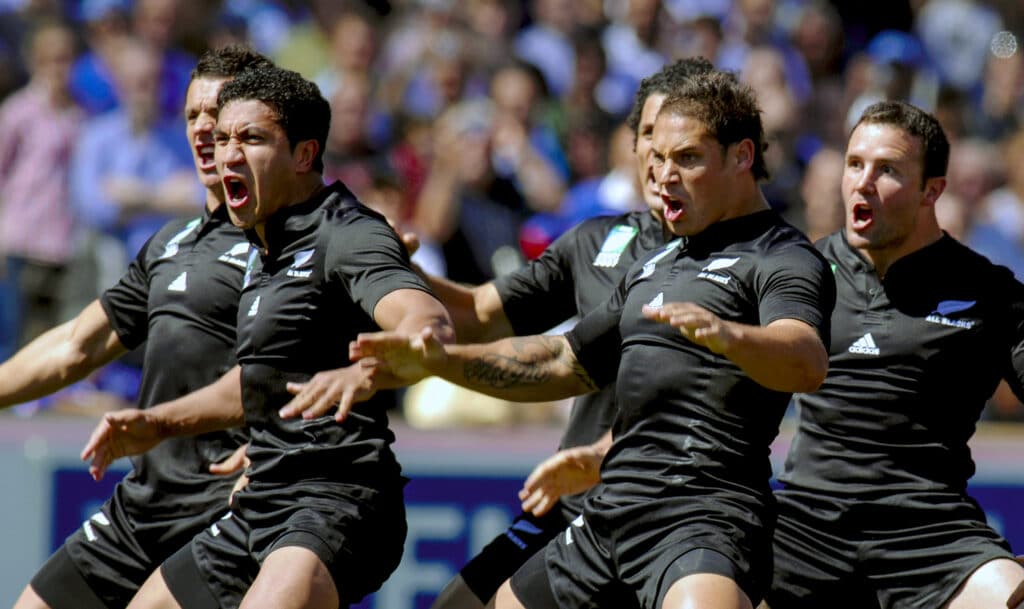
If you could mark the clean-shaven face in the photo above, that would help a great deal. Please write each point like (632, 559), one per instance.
(644, 133)
(255, 162)
(690, 170)
(200, 119)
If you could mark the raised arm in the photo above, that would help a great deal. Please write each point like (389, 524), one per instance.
(524, 369)
(784, 355)
(132, 432)
(59, 357)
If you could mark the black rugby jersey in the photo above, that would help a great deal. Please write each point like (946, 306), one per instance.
(691, 423)
(575, 274)
(914, 357)
(180, 297)
(329, 261)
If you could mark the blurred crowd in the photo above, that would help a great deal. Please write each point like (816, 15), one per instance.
(488, 127)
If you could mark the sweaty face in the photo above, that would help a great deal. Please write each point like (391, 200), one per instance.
(255, 162)
(691, 172)
(644, 132)
(200, 119)
(882, 187)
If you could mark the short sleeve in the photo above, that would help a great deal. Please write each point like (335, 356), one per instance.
(596, 340)
(127, 303)
(797, 283)
(541, 294)
(367, 258)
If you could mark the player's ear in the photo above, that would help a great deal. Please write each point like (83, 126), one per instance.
(933, 188)
(744, 155)
(305, 155)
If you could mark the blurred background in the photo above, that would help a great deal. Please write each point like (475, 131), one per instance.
(488, 127)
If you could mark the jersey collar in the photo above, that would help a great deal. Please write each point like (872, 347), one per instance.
(299, 218)
(727, 232)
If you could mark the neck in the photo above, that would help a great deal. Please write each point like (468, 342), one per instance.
(213, 201)
(307, 187)
(925, 234)
(751, 201)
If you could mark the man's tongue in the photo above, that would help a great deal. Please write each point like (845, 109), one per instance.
(673, 209)
(862, 215)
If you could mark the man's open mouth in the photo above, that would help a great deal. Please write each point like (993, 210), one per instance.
(237, 191)
(673, 208)
(862, 215)
(204, 153)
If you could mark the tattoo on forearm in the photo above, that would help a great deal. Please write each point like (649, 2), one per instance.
(500, 371)
(583, 377)
(531, 362)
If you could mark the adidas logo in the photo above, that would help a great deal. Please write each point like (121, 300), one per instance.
(865, 345)
(658, 301)
(255, 308)
(180, 284)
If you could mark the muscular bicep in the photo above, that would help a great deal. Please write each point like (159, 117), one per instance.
(410, 310)
(95, 336)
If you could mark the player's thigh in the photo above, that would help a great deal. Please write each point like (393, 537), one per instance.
(154, 594)
(292, 577)
(30, 600)
(988, 586)
(505, 598)
(457, 595)
(705, 591)
(923, 555)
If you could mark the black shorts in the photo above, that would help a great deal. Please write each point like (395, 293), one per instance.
(907, 551)
(503, 556)
(587, 562)
(357, 532)
(111, 555)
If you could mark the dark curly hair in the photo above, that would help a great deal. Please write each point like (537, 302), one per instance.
(301, 111)
(664, 81)
(726, 108)
(228, 61)
(919, 124)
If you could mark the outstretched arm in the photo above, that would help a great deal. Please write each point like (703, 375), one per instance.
(59, 357)
(132, 432)
(523, 369)
(785, 355)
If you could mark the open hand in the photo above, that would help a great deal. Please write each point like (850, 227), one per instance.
(340, 388)
(696, 323)
(567, 472)
(120, 434)
(408, 358)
